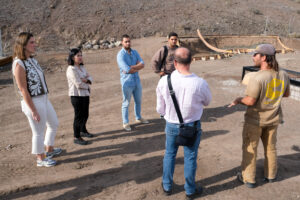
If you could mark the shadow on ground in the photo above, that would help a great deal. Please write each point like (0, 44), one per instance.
(286, 169)
(211, 114)
(139, 171)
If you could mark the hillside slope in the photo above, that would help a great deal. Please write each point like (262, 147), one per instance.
(61, 23)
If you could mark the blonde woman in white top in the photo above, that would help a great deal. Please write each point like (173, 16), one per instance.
(30, 82)
(79, 90)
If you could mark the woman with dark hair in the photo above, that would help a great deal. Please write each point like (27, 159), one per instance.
(79, 90)
(30, 83)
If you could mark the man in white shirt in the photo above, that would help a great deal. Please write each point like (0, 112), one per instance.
(192, 93)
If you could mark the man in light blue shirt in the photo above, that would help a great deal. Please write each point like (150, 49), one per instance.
(130, 62)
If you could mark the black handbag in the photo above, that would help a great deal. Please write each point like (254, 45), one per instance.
(187, 134)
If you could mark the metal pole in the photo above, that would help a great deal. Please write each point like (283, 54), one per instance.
(1, 54)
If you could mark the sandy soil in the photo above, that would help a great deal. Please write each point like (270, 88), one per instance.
(128, 165)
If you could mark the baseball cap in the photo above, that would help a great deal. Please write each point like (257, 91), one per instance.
(266, 49)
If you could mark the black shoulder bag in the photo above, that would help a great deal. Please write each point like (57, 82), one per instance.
(187, 134)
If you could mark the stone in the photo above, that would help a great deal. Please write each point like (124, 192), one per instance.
(118, 43)
(105, 42)
(96, 46)
(112, 40)
(94, 42)
(104, 46)
(87, 46)
(112, 45)
(9, 147)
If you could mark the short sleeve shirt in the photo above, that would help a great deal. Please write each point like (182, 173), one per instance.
(268, 88)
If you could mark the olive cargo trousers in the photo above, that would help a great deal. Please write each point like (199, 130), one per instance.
(251, 136)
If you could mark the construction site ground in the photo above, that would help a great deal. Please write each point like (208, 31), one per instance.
(128, 165)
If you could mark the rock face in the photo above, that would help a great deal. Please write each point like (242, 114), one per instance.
(56, 22)
(102, 44)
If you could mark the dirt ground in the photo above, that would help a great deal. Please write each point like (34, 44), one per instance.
(128, 165)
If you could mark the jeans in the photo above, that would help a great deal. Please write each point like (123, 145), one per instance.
(190, 158)
(251, 136)
(81, 109)
(136, 90)
(48, 118)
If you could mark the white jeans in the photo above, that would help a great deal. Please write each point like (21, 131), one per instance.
(47, 118)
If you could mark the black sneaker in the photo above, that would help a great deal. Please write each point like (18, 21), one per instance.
(86, 134)
(167, 192)
(269, 180)
(240, 179)
(197, 193)
(80, 141)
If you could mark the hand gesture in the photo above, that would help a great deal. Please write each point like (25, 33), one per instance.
(236, 101)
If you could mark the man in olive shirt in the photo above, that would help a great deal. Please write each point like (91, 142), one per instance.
(163, 60)
(264, 93)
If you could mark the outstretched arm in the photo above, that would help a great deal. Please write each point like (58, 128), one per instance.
(247, 100)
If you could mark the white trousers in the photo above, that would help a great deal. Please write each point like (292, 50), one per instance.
(48, 118)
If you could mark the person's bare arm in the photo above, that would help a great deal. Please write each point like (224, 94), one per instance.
(138, 66)
(20, 76)
(135, 68)
(287, 92)
(248, 101)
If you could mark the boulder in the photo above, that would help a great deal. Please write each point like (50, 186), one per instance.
(94, 42)
(87, 46)
(112, 45)
(96, 46)
(118, 43)
(112, 40)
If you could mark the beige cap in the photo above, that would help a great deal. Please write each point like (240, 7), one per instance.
(266, 49)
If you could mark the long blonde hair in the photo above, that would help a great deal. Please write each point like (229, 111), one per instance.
(20, 43)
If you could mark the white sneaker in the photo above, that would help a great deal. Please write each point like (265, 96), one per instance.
(127, 127)
(142, 121)
(55, 152)
(47, 162)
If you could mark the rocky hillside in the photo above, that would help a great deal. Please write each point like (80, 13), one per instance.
(59, 24)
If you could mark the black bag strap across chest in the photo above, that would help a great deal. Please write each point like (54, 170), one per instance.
(172, 93)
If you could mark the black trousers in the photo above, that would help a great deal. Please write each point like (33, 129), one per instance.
(81, 110)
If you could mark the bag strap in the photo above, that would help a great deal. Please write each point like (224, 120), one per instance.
(163, 61)
(172, 93)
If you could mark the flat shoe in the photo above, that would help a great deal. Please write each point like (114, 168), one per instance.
(87, 134)
(80, 141)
